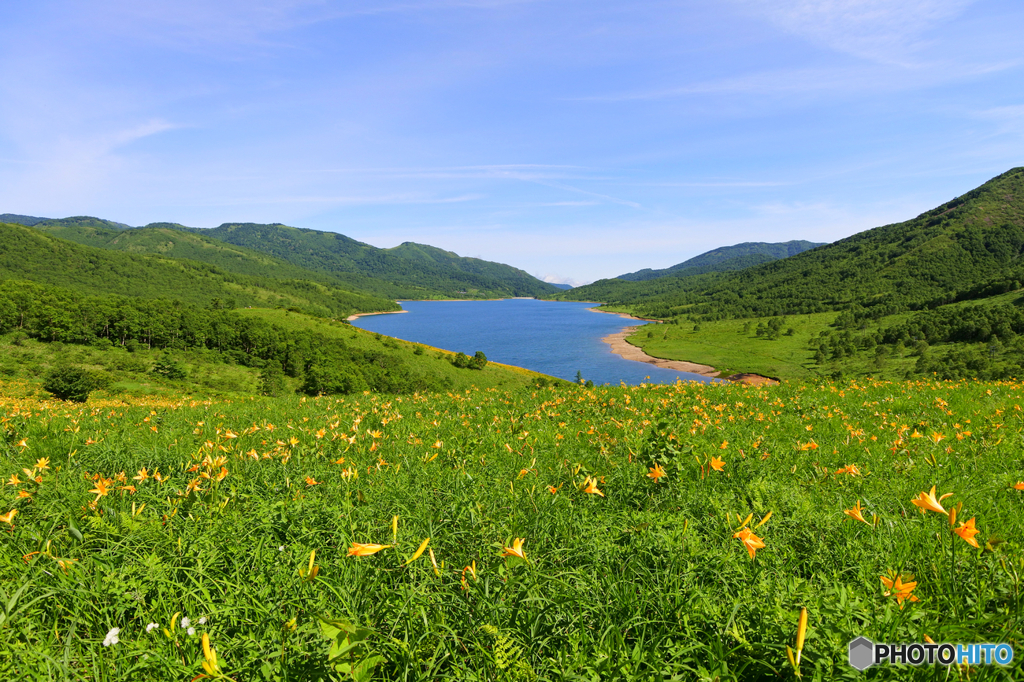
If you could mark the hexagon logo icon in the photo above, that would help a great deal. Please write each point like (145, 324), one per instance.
(862, 653)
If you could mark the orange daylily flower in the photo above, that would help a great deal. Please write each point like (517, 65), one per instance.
(749, 540)
(656, 472)
(1019, 485)
(143, 475)
(855, 513)
(101, 488)
(43, 463)
(927, 502)
(899, 589)
(967, 531)
(311, 481)
(515, 550)
(590, 486)
(8, 518)
(360, 549)
(717, 464)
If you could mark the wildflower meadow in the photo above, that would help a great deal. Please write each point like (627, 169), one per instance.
(687, 531)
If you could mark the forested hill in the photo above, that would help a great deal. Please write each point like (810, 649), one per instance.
(171, 240)
(409, 265)
(726, 258)
(407, 271)
(27, 253)
(969, 247)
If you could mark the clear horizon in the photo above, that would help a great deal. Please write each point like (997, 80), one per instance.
(574, 140)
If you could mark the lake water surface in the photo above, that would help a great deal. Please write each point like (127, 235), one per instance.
(556, 338)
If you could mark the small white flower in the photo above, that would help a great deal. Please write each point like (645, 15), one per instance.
(202, 621)
(191, 632)
(151, 627)
(185, 622)
(111, 637)
(281, 548)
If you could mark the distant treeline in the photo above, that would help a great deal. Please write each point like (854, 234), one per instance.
(325, 365)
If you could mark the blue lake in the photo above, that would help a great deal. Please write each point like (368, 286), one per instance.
(556, 338)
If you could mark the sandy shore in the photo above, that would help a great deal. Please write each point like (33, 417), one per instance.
(621, 347)
(383, 312)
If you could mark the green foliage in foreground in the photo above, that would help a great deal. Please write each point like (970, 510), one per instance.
(146, 526)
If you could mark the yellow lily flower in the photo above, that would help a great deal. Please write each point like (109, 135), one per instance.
(419, 552)
(515, 550)
(855, 513)
(360, 549)
(656, 472)
(967, 531)
(899, 589)
(749, 540)
(927, 502)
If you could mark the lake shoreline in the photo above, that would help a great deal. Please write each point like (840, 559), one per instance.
(380, 312)
(628, 351)
(624, 349)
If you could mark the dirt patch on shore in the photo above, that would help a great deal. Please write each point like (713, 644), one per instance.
(753, 379)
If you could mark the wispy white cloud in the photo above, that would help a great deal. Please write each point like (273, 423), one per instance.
(887, 31)
(1007, 119)
(846, 81)
(347, 200)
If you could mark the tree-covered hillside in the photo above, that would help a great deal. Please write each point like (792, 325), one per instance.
(424, 268)
(961, 249)
(413, 271)
(27, 253)
(726, 258)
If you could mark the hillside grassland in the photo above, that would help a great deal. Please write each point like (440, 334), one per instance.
(562, 533)
(980, 338)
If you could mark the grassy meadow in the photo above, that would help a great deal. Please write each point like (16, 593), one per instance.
(561, 533)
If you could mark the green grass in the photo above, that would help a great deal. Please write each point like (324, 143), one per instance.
(645, 582)
(432, 362)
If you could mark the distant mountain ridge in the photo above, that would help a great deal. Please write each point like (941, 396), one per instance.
(275, 250)
(726, 258)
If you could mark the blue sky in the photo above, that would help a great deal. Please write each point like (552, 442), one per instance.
(573, 139)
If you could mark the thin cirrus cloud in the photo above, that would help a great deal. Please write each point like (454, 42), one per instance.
(886, 31)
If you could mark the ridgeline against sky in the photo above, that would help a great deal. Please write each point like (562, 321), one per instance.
(575, 140)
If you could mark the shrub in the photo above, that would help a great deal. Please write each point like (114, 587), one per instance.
(169, 367)
(70, 383)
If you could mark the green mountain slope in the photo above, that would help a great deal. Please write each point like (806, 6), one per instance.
(969, 244)
(407, 271)
(29, 253)
(726, 258)
(429, 271)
